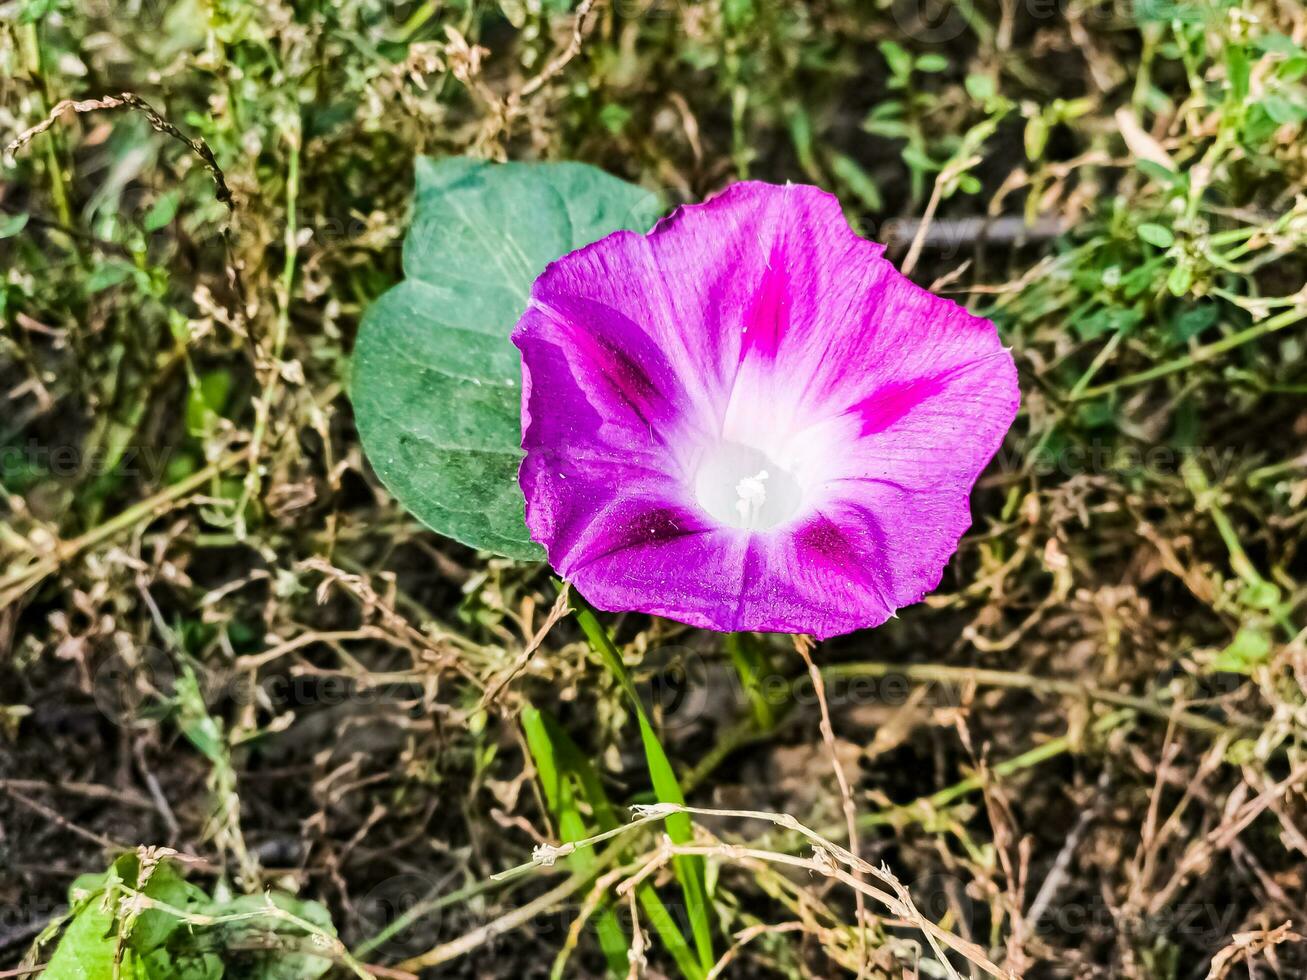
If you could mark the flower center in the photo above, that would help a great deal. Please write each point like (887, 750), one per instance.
(741, 486)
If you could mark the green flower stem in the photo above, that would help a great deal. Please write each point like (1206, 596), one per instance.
(689, 869)
(751, 664)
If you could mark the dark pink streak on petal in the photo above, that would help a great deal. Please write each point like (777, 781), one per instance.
(644, 525)
(629, 383)
(891, 402)
(823, 542)
(607, 347)
(768, 315)
(879, 411)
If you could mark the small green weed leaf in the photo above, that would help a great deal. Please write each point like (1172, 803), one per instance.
(1191, 322)
(1276, 43)
(1261, 595)
(899, 61)
(1142, 277)
(436, 381)
(162, 212)
(108, 275)
(1292, 69)
(857, 180)
(154, 927)
(1258, 125)
(888, 109)
(1283, 110)
(893, 129)
(34, 10)
(1097, 414)
(205, 400)
(1249, 648)
(1180, 279)
(1164, 11)
(739, 13)
(273, 947)
(1105, 320)
(1036, 136)
(1161, 174)
(1239, 69)
(199, 727)
(969, 184)
(1155, 234)
(980, 87)
(12, 224)
(87, 949)
(615, 117)
(918, 159)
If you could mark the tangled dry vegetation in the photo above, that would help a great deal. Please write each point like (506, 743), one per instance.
(220, 636)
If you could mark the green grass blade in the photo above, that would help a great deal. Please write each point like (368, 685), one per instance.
(549, 755)
(563, 758)
(689, 870)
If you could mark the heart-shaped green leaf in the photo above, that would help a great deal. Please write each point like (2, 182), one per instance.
(437, 382)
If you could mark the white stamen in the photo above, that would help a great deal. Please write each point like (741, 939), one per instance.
(741, 486)
(751, 494)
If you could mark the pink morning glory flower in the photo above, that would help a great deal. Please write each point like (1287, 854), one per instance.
(747, 419)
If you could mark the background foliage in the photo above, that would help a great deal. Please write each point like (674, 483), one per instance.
(220, 635)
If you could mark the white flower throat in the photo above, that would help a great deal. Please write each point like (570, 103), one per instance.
(741, 486)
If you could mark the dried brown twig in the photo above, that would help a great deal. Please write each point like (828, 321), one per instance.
(560, 61)
(159, 123)
(829, 859)
(556, 613)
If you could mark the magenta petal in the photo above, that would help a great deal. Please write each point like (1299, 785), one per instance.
(749, 420)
